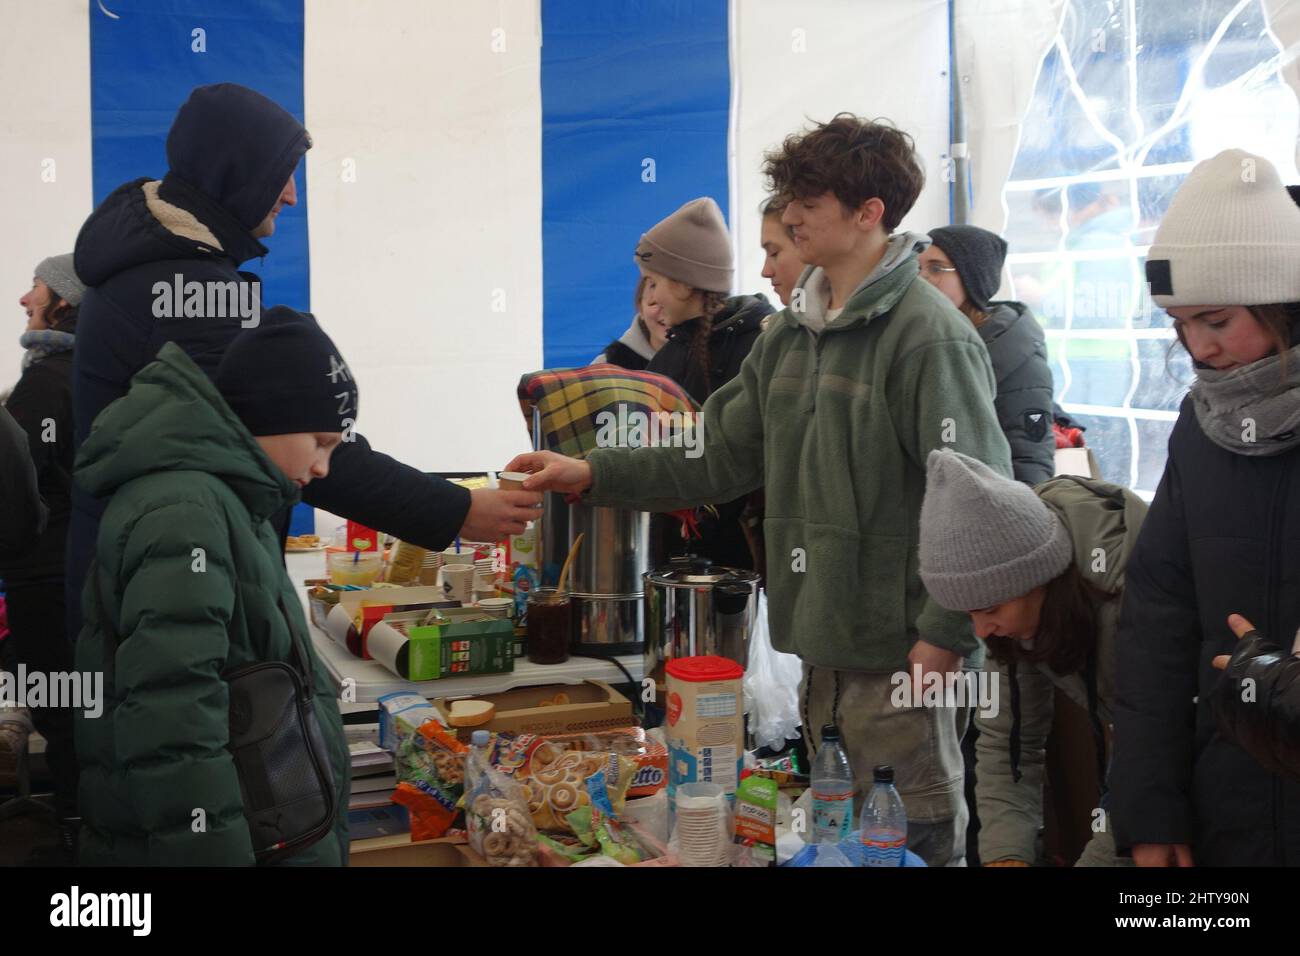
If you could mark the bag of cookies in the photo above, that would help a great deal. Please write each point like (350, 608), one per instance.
(496, 814)
(430, 765)
(554, 780)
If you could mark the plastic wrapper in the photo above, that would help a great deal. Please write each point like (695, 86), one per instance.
(496, 816)
(430, 766)
(554, 780)
(599, 827)
(649, 754)
(771, 687)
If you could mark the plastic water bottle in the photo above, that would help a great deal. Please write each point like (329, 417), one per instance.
(832, 790)
(884, 822)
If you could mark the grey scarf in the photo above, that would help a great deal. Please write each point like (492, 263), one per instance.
(1251, 410)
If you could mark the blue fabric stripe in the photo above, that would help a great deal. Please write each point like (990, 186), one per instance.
(142, 67)
(621, 83)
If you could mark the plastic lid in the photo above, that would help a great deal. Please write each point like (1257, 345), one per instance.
(702, 669)
(830, 732)
(884, 774)
(480, 738)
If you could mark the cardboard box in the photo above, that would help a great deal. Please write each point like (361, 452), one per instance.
(1077, 461)
(400, 851)
(593, 705)
(340, 622)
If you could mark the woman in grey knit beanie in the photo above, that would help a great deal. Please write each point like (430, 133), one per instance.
(1040, 571)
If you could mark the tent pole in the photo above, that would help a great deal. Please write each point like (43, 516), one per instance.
(959, 183)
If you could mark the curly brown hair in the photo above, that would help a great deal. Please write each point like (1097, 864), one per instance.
(854, 158)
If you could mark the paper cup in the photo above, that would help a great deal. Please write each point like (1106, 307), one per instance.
(498, 607)
(458, 582)
(511, 480)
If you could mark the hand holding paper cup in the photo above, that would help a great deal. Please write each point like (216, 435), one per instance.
(511, 480)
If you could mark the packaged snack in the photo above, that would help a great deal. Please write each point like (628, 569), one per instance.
(496, 814)
(756, 800)
(598, 825)
(560, 850)
(408, 560)
(554, 780)
(430, 765)
(650, 756)
(400, 714)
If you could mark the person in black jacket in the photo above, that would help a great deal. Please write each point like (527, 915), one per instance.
(232, 154)
(686, 261)
(1222, 537)
(965, 264)
(644, 337)
(41, 403)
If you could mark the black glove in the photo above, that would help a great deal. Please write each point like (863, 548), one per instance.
(1257, 704)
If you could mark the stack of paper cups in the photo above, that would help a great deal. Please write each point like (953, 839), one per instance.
(702, 825)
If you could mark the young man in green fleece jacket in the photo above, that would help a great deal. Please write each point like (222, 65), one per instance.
(835, 410)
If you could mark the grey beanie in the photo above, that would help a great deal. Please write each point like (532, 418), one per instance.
(692, 246)
(57, 273)
(977, 255)
(985, 539)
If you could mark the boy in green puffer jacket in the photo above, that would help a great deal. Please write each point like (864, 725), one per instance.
(191, 573)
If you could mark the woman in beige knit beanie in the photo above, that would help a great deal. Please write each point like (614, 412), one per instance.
(1221, 545)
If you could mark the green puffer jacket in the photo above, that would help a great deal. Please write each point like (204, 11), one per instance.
(837, 425)
(1098, 515)
(192, 574)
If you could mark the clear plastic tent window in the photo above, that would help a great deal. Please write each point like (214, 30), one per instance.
(1130, 96)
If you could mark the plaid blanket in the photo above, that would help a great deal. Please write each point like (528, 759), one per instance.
(584, 408)
(581, 405)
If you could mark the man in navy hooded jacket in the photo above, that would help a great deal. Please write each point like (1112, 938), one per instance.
(231, 154)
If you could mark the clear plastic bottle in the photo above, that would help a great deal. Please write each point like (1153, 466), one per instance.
(884, 822)
(832, 790)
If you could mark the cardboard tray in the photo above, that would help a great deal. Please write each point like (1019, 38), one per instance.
(593, 705)
(398, 850)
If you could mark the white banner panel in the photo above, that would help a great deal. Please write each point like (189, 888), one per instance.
(805, 62)
(45, 181)
(424, 190)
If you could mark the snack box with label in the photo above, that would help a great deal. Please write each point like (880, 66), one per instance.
(461, 648)
(345, 620)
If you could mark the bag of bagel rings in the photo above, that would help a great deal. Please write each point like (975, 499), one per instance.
(496, 816)
(554, 779)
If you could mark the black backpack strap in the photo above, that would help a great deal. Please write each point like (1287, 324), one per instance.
(1015, 721)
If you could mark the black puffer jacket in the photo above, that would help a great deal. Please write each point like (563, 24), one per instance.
(1024, 399)
(41, 403)
(722, 538)
(1222, 537)
(735, 328)
(241, 148)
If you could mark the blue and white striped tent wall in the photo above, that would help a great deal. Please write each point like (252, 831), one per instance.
(469, 209)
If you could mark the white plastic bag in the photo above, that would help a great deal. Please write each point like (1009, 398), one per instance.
(771, 687)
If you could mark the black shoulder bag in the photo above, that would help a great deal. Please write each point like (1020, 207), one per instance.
(285, 776)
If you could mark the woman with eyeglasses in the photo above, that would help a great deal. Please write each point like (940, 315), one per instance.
(965, 264)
